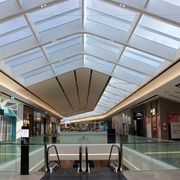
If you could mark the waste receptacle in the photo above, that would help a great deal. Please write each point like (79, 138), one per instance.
(54, 139)
(45, 139)
(111, 136)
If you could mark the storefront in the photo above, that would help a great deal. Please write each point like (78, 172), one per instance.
(8, 111)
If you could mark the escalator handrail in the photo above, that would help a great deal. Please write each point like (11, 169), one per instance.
(86, 159)
(80, 158)
(119, 156)
(47, 157)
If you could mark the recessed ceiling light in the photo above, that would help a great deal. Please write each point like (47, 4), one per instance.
(43, 5)
(122, 5)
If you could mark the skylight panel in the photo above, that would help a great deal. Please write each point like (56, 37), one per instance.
(143, 57)
(109, 21)
(1, 1)
(160, 26)
(54, 11)
(58, 21)
(158, 38)
(115, 91)
(122, 85)
(63, 44)
(12, 25)
(99, 65)
(174, 2)
(129, 75)
(109, 9)
(111, 95)
(38, 72)
(13, 37)
(24, 57)
(105, 44)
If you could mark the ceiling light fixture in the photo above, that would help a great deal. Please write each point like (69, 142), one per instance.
(43, 5)
(122, 5)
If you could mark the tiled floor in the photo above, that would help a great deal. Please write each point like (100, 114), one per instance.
(146, 175)
(153, 175)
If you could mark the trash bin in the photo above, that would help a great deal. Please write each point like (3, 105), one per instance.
(111, 136)
(45, 139)
(54, 139)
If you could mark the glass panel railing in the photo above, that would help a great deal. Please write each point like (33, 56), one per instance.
(10, 157)
(152, 156)
(83, 138)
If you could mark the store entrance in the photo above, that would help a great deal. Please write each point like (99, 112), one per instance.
(6, 128)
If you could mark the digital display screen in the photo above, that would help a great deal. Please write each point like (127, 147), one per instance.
(25, 133)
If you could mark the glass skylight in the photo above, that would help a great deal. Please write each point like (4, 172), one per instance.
(143, 57)
(53, 11)
(111, 10)
(24, 57)
(97, 64)
(1, 1)
(158, 38)
(174, 2)
(63, 44)
(12, 25)
(160, 26)
(131, 43)
(103, 43)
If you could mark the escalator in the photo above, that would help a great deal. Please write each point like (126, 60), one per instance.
(84, 168)
(111, 171)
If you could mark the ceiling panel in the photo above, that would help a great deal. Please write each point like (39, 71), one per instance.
(83, 78)
(98, 83)
(69, 85)
(51, 93)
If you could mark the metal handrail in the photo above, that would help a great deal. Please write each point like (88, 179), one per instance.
(80, 158)
(47, 157)
(86, 159)
(119, 156)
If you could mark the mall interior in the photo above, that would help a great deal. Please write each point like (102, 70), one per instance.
(89, 89)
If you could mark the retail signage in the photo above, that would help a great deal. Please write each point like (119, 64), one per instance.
(148, 127)
(138, 116)
(174, 121)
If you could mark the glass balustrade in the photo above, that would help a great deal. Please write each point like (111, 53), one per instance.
(139, 153)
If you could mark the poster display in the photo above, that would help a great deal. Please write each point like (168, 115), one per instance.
(174, 121)
(159, 127)
(148, 127)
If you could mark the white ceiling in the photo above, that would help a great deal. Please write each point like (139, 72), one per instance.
(44, 41)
